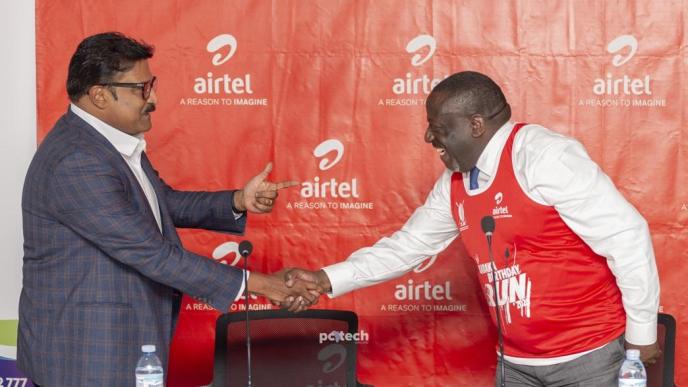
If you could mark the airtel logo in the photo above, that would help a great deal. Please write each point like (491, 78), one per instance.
(499, 197)
(425, 265)
(622, 85)
(227, 251)
(224, 46)
(323, 188)
(332, 356)
(219, 42)
(325, 147)
(423, 84)
(224, 253)
(618, 44)
(418, 43)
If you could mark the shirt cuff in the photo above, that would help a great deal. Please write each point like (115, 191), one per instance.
(341, 278)
(641, 333)
(237, 214)
(243, 286)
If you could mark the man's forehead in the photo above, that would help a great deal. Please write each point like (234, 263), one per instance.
(138, 73)
(444, 103)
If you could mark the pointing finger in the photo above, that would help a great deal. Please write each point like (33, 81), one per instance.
(286, 184)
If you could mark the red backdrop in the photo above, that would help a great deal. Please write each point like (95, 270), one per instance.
(333, 92)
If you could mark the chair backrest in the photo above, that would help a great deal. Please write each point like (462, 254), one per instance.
(287, 349)
(661, 374)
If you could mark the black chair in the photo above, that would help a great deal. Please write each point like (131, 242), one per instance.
(287, 349)
(661, 374)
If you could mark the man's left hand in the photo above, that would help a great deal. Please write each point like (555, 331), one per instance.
(259, 195)
(648, 353)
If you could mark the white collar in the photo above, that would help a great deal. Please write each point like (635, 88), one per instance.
(489, 158)
(126, 144)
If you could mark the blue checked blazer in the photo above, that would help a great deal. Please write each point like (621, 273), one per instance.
(99, 278)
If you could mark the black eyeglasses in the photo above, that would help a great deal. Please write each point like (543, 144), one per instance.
(145, 87)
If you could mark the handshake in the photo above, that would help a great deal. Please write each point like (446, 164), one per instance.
(291, 288)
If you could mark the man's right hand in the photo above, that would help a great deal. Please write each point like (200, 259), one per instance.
(319, 277)
(304, 292)
(293, 276)
(648, 353)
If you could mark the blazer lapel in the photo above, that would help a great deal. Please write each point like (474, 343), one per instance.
(168, 229)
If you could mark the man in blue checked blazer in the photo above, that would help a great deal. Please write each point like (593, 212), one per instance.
(103, 266)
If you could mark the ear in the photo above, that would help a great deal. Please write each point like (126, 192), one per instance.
(477, 125)
(100, 96)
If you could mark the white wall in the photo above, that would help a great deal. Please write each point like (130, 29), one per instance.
(17, 138)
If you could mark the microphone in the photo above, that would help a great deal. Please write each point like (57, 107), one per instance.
(245, 249)
(488, 225)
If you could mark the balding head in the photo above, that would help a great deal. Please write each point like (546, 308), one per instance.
(470, 92)
(464, 112)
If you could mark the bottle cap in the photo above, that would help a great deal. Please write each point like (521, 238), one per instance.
(632, 354)
(148, 348)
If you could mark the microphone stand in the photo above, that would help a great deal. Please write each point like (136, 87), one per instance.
(245, 249)
(500, 336)
(248, 327)
(488, 226)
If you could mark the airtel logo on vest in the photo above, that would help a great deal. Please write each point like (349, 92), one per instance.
(500, 211)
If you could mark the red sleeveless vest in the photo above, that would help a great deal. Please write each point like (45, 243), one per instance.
(556, 296)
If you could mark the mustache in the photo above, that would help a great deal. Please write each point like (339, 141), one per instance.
(150, 107)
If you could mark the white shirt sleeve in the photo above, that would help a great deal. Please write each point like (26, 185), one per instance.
(556, 170)
(428, 231)
(243, 284)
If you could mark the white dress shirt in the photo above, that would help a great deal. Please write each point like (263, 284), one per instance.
(552, 170)
(131, 148)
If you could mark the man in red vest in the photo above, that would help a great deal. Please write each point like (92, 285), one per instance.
(570, 278)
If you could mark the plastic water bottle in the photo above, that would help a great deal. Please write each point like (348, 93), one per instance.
(149, 368)
(632, 372)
